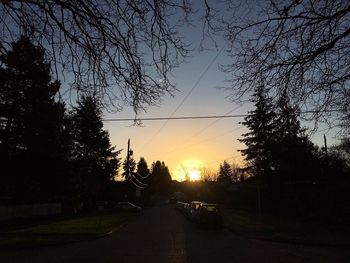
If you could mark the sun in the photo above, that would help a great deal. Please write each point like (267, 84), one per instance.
(188, 170)
(194, 175)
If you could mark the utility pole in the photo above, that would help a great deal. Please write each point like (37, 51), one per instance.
(128, 161)
(325, 146)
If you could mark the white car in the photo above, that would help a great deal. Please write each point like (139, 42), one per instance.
(127, 206)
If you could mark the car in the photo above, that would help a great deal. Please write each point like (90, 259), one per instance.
(208, 215)
(179, 205)
(127, 206)
(193, 209)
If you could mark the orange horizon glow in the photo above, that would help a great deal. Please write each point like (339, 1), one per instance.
(188, 170)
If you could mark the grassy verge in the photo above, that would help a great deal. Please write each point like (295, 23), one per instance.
(285, 229)
(64, 230)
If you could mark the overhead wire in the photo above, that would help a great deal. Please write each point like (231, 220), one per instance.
(186, 117)
(186, 97)
(209, 125)
(177, 118)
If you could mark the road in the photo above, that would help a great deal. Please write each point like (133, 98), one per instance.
(162, 234)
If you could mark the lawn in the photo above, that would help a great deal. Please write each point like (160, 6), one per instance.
(283, 229)
(63, 230)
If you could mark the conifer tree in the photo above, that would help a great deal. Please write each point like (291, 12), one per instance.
(142, 168)
(260, 138)
(129, 168)
(295, 156)
(97, 161)
(225, 172)
(31, 122)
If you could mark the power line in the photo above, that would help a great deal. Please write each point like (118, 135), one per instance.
(185, 98)
(192, 117)
(179, 118)
(204, 129)
(204, 140)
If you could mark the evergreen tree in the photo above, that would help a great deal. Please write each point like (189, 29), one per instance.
(31, 123)
(166, 174)
(260, 138)
(294, 155)
(142, 168)
(129, 168)
(160, 178)
(277, 147)
(96, 160)
(225, 172)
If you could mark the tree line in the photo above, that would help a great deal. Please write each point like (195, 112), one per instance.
(278, 149)
(49, 152)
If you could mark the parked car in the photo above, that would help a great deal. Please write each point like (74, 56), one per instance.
(129, 207)
(193, 209)
(208, 215)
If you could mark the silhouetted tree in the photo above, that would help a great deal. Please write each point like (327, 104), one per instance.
(236, 173)
(343, 150)
(277, 146)
(142, 168)
(299, 47)
(33, 151)
(166, 174)
(294, 156)
(259, 138)
(119, 48)
(225, 172)
(96, 160)
(338, 160)
(129, 167)
(208, 174)
(160, 177)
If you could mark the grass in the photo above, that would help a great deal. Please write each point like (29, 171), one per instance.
(63, 230)
(276, 228)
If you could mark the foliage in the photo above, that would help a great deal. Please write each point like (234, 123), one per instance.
(121, 49)
(33, 139)
(343, 150)
(95, 159)
(208, 175)
(301, 48)
(338, 159)
(142, 168)
(128, 167)
(225, 172)
(277, 147)
(259, 139)
(294, 155)
(160, 177)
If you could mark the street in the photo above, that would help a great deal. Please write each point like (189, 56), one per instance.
(162, 234)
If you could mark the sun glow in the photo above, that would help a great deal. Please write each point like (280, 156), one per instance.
(188, 170)
(194, 175)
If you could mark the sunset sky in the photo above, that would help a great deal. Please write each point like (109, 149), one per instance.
(186, 143)
(190, 144)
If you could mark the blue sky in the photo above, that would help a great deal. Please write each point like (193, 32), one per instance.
(191, 143)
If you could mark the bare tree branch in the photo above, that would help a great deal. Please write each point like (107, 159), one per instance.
(122, 50)
(300, 47)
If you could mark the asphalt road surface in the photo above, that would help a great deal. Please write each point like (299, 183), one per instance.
(162, 234)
